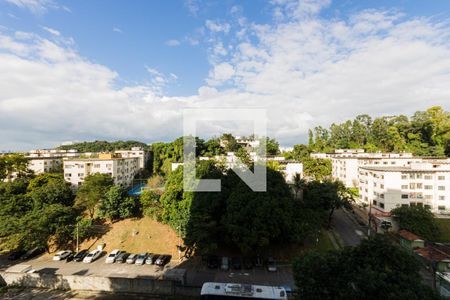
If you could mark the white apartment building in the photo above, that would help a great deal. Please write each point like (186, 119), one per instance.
(41, 165)
(137, 152)
(422, 183)
(53, 153)
(345, 166)
(121, 169)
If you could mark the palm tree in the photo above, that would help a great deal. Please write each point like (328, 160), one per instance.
(298, 184)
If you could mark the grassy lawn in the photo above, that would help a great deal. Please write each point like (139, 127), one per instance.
(325, 244)
(444, 226)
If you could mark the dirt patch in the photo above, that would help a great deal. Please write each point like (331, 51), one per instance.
(137, 236)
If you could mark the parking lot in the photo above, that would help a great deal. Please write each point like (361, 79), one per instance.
(45, 264)
(197, 271)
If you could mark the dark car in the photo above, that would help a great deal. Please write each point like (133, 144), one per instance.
(32, 253)
(163, 260)
(80, 255)
(70, 257)
(213, 262)
(248, 263)
(15, 255)
(236, 263)
(122, 258)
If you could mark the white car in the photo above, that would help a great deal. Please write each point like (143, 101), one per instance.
(61, 255)
(93, 255)
(140, 259)
(111, 258)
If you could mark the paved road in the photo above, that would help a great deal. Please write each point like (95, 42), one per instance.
(349, 232)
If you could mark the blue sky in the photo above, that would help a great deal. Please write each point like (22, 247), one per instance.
(161, 56)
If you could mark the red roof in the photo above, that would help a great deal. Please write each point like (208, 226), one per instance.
(433, 253)
(408, 235)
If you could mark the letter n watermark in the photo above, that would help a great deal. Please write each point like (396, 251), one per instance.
(256, 180)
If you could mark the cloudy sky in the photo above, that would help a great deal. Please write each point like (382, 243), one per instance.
(86, 70)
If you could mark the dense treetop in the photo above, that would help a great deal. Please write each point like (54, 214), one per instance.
(104, 146)
(376, 269)
(424, 133)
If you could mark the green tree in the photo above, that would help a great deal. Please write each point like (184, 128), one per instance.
(116, 205)
(376, 269)
(243, 155)
(328, 196)
(47, 189)
(151, 205)
(92, 192)
(316, 168)
(417, 219)
(13, 163)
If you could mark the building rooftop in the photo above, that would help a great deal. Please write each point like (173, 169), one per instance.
(408, 235)
(434, 253)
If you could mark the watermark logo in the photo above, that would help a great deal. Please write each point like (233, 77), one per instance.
(256, 180)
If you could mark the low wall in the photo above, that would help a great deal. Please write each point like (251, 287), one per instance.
(93, 283)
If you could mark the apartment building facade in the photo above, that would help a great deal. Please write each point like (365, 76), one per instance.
(384, 188)
(121, 169)
(345, 166)
(41, 165)
(135, 152)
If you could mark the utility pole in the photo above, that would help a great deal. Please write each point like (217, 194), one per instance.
(77, 238)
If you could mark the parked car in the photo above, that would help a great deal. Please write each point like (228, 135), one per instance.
(151, 258)
(15, 255)
(225, 264)
(248, 263)
(80, 255)
(271, 265)
(122, 257)
(32, 253)
(213, 262)
(92, 256)
(163, 260)
(70, 257)
(140, 259)
(131, 258)
(62, 255)
(111, 258)
(236, 263)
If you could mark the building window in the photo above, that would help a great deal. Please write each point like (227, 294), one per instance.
(441, 207)
(382, 186)
(419, 185)
(441, 177)
(382, 196)
(374, 202)
(441, 188)
(404, 187)
(404, 177)
(429, 197)
(419, 176)
(404, 196)
(428, 187)
(428, 177)
(381, 205)
(441, 197)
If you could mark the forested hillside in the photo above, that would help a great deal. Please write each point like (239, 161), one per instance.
(104, 146)
(423, 133)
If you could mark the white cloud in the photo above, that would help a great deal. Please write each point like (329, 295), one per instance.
(220, 73)
(304, 71)
(117, 29)
(51, 31)
(193, 6)
(35, 6)
(172, 43)
(217, 27)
